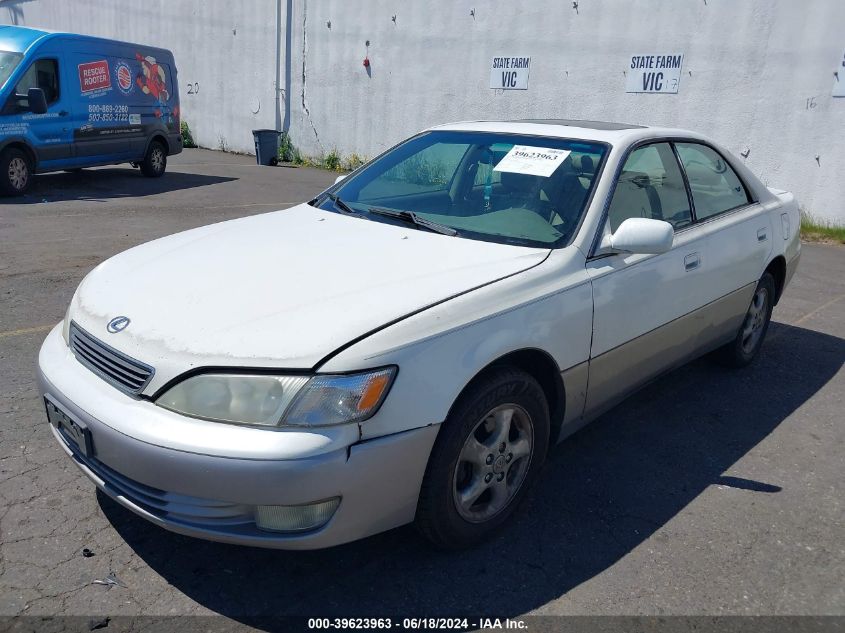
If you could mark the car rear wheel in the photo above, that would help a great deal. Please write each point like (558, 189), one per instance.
(15, 172)
(488, 452)
(749, 339)
(155, 162)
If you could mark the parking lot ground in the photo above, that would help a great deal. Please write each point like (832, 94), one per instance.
(709, 492)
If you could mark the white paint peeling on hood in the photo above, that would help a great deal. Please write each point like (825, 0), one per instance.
(281, 289)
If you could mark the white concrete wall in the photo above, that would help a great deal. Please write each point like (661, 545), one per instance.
(749, 68)
(228, 47)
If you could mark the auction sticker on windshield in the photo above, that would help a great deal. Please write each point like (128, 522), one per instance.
(534, 161)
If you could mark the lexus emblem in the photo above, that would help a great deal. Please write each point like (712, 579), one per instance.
(118, 324)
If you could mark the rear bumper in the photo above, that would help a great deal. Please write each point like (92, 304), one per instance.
(174, 144)
(214, 497)
(791, 267)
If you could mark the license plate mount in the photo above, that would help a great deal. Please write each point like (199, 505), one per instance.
(76, 432)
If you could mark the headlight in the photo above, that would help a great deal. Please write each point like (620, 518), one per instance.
(267, 400)
(238, 398)
(328, 400)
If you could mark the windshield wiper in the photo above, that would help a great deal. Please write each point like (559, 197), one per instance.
(413, 218)
(340, 204)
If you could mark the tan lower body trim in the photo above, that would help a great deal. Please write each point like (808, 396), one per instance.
(575, 381)
(624, 369)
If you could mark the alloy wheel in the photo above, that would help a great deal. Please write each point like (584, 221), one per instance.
(755, 320)
(18, 173)
(493, 463)
(157, 159)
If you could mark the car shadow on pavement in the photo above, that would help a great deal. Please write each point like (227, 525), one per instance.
(602, 493)
(100, 185)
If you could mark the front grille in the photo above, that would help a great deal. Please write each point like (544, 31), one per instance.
(116, 368)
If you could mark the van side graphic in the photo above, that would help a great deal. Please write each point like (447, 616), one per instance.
(71, 101)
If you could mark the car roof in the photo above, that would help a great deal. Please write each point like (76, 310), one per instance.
(17, 39)
(592, 125)
(602, 131)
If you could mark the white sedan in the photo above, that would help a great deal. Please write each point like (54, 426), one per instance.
(408, 345)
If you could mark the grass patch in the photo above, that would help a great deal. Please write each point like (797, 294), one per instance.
(817, 230)
(333, 161)
(288, 153)
(187, 137)
(353, 162)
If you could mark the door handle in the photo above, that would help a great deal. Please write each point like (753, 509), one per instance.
(692, 261)
(63, 113)
(761, 235)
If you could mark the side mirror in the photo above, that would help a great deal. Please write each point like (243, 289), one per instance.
(37, 101)
(641, 235)
(339, 178)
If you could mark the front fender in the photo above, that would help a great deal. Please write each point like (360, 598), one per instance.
(24, 142)
(440, 350)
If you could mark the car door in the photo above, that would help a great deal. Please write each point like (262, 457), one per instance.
(646, 307)
(50, 132)
(739, 233)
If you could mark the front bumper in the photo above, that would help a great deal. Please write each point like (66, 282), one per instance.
(214, 496)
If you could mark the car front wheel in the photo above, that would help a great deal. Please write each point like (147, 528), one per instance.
(488, 452)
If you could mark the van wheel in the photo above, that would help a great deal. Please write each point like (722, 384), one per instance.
(749, 339)
(487, 454)
(15, 172)
(155, 162)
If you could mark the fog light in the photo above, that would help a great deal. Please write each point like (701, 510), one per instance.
(295, 518)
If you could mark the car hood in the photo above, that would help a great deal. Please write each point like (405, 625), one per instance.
(282, 289)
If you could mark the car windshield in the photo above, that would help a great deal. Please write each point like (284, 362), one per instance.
(507, 188)
(8, 63)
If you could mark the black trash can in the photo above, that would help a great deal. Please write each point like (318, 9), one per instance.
(267, 146)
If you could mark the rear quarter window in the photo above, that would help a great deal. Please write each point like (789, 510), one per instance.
(715, 186)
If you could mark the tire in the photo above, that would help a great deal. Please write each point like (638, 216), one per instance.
(15, 172)
(472, 485)
(155, 161)
(749, 339)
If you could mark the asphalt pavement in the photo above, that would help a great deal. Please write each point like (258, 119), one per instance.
(710, 492)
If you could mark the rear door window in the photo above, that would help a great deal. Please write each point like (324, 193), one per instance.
(715, 186)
